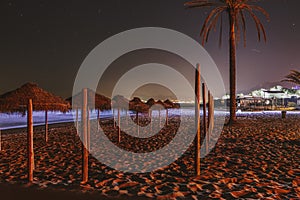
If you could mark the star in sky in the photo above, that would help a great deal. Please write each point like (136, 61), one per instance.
(293, 26)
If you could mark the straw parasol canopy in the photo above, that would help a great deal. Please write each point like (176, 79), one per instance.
(101, 102)
(16, 100)
(120, 101)
(150, 102)
(137, 105)
(170, 104)
(159, 102)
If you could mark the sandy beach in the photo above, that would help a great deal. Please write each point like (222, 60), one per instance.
(258, 158)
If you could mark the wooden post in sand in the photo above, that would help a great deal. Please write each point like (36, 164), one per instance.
(150, 116)
(204, 112)
(88, 129)
(0, 141)
(77, 119)
(212, 112)
(46, 126)
(30, 141)
(119, 126)
(167, 117)
(197, 119)
(159, 118)
(98, 119)
(209, 114)
(114, 118)
(84, 137)
(126, 116)
(138, 123)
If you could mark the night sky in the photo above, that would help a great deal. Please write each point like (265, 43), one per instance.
(46, 41)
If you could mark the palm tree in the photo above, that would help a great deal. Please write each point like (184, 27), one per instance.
(293, 77)
(236, 11)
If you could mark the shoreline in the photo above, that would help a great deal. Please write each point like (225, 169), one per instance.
(110, 117)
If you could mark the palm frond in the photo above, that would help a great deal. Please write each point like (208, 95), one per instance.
(293, 77)
(259, 26)
(238, 9)
(260, 9)
(243, 22)
(210, 22)
(200, 4)
(221, 32)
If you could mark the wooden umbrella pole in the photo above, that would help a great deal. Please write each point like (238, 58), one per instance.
(211, 116)
(126, 116)
(197, 119)
(150, 120)
(159, 118)
(30, 141)
(98, 119)
(208, 122)
(84, 137)
(88, 129)
(46, 126)
(204, 112)
(119, 126)
(114, 118)
(77, 119)
(212, 112)
(0, 141)
(138, 123)
(167, 116)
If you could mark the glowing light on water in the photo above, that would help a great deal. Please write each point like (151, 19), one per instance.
(10, 121)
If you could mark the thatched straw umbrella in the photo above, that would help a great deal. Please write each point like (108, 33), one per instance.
(101, 103)
(119, 102)
(159, 102)
(86, 100)
(30, 97)
(17, 100)
(136, 104)
(139, 107)
(169, 104)
(150, 103)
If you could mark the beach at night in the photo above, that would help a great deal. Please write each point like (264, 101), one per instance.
(167, 100)
(256, 159)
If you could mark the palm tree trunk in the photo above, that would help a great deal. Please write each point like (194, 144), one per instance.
(232, 50)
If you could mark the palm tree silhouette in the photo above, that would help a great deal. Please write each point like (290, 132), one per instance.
(293, 77)
(236, 11)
